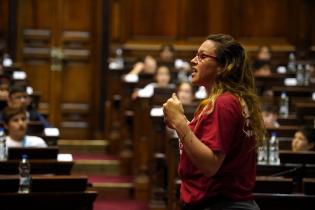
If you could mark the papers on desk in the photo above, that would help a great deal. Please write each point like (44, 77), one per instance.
(281, 70)
(290, 82)
(156, 112)
(29, 90)
(19, 75)
(64, 157)
(51, 132)
(132, 78)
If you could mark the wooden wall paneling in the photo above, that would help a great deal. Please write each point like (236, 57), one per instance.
(120, 21)
(206, 17)
(61, 54)
(304, 32)
(219, 17)
(264, 18)
(181, 18)
(100, 54)
(125, 24)
(152, 19)
(116, 20)
(4, 11)
(312, 26)
(198, 19)
(77, 39)
(35, 41)
(282, 24)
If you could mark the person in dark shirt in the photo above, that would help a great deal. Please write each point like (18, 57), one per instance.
(4, 91)
(18, 97)
(262, 64)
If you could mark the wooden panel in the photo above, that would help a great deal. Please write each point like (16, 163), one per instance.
(264, 18)
(200, 22)
(76, 76)
(154, 18)
(285, 25)
(312, 25)
(37, 13)
(76, 80)
(4, 11)
(35, 26)
(60, 51)
(78, 11)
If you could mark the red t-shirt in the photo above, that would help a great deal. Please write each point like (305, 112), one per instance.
(223, 130)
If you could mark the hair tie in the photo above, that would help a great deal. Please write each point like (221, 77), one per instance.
(229, 67)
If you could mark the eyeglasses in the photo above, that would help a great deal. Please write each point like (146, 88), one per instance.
(201, 56)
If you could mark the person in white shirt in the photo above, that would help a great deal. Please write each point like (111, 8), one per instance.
(162, 79)
(15, 124)
(185, 93)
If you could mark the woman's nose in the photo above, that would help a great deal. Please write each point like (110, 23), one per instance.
(194, 60)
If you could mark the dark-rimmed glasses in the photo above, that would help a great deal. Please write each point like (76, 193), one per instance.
(201, 56)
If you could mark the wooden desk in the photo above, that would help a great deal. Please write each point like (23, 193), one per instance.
(267, 184)
(44, 183)
(298, 171)
(38, 167)
(294, 91)
(283, 131)
(284, 201)
(48, 200)
(47, 192)
(309, 186)
(303, 157)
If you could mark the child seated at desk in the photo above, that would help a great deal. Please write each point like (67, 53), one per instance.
(304, 139)
(270, 116)
(185, 93)
(15, 124)
(262, 63)
(162, 79)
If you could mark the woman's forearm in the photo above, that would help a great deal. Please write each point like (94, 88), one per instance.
(200, 154)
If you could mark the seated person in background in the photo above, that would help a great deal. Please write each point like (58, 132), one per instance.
(162, 79)
(18, 98)
(270, 116)
(262, 64)
(4, 91)
(185, 93)
(304, 139)
(167, 53)
(15, 124)
(148, 66)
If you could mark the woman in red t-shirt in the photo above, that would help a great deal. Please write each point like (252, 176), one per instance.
(218, 147)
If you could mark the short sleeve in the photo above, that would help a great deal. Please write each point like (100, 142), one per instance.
(34, 141)
(219, 129)
(147, 91)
